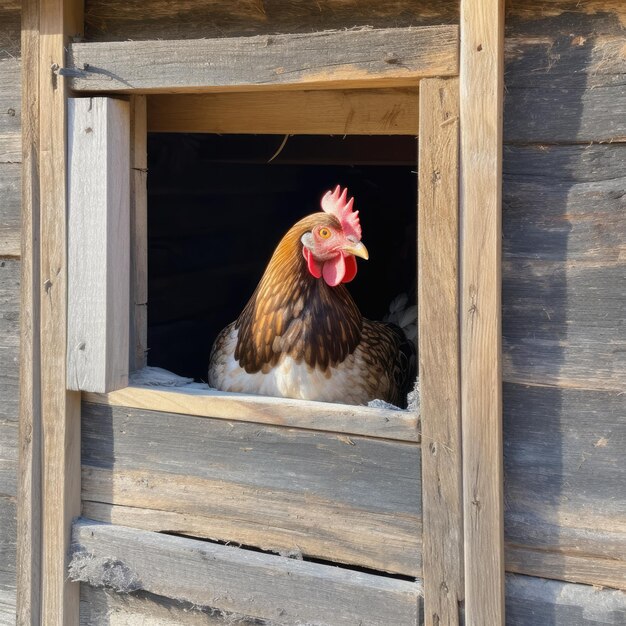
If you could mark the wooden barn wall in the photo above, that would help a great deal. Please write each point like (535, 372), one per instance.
(563, 204)
(563, 301)
(10, 190)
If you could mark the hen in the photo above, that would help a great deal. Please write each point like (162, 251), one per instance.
(301, 334)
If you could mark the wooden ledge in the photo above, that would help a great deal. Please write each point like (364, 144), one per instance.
(393, 57)
(326, 416)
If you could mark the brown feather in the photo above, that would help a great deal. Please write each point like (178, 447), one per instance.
(293, 313)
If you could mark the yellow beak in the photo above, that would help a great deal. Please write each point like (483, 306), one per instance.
(357, 249)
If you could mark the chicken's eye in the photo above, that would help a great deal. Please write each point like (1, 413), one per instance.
(324, 233)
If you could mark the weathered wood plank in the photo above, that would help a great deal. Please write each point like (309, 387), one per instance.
(481, 84)
(138, 340)
(563, 287)
(10, 144)
(557, 84)
(323, 416)
(346, 499)
(8, 534)
(10, 29)
(9, 339)
(350, 58)
(438, 282)
(532, 601)
(29, 510)
(239, 581)
(119, 20)
(99, 606)
(565, 514)
(8, 459)
(10, 209)
(60, 410)
(98, 244)
(342, 112)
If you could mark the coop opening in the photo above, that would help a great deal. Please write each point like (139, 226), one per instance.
(218, 206)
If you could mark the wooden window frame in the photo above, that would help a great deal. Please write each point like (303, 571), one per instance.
(471, 403)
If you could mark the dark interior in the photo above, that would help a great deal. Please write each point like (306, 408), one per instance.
(219, 204)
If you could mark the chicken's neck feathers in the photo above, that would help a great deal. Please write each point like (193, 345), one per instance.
(293, 313)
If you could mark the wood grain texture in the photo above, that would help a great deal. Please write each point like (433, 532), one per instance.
(563, 267)
(105, 606)
(481, 76)
(9, 339)
(239, 581)
(531, 601)
(559, 78)
(438, 323)
(325, 416)
(118, 20)
(565, 513)
(10, 149)
(351, 58)
(341, 498)
(98, 244)
(138, 340)
(341, 112)
(29, 510)
(10, 209)
(7, 559)
(60, 410)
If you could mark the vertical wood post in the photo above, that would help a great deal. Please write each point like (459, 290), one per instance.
(60, 410)
(138, 234)
(438, 265)
(481, 79)
(98, 244)
(29, 473)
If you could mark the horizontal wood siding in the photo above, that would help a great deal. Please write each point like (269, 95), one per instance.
(119, 20)
(341, 498)
(9, 394)
(564, 267)
(348, 58)
(10, 155)
(533, 601)
(105, 606)
(10, 192)
(236, 581)
(565, 515)
(8, 535)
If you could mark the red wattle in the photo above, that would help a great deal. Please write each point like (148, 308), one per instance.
(350, 268)
(334, 270)
(314, 265)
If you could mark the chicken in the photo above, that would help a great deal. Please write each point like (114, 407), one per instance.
(301, 335)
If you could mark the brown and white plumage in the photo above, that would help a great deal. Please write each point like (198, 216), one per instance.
(301, 337)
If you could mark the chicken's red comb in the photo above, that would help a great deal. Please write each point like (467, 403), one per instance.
(336, 203)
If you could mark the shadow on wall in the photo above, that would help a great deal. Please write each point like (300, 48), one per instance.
(561, 278)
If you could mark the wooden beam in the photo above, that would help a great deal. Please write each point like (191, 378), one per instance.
(29, 442)
(138, 343)
(60, 410)
(336, 112)
(481, 79)
(239, 581)
(338, 418)
(329, 59)
(98, 244)
(438, 283)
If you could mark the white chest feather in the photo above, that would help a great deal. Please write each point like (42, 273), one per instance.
(350, 382)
